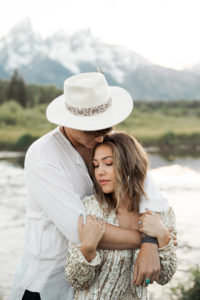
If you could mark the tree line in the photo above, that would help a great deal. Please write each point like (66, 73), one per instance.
(27, 95)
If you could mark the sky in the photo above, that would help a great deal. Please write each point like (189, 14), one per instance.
(167, 32)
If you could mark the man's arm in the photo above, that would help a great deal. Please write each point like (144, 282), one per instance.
(116, 238)
(154, 199)
(50, 190)
(53, 193)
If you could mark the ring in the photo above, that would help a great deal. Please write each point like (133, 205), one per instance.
(147, 281)
(140, 223)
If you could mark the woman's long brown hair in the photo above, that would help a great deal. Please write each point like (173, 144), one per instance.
(131, 164)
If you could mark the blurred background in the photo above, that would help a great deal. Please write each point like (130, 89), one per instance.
(149, 47)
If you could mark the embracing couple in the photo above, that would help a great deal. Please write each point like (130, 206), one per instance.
(97, 226)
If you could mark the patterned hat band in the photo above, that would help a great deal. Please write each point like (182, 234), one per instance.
(88, 112)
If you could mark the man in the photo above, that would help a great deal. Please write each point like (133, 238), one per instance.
(57, 179)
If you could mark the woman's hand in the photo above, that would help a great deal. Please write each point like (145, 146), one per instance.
(151, 224)
(147, 264)
(90, 234)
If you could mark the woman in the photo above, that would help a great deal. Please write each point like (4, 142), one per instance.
(119, 167)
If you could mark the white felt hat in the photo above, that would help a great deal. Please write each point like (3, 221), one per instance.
(88, 103)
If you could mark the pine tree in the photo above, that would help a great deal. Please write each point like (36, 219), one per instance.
(17, 89)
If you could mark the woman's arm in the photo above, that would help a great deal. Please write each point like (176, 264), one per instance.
(82, 260)
(157, 227)
(79, 272)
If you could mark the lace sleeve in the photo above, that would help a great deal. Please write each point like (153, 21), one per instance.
(79, 272)
(167, 254)
(93, 208)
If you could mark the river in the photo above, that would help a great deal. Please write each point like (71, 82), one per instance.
(178, 179)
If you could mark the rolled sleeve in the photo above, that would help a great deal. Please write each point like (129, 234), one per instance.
(52, 191)
(154, 200)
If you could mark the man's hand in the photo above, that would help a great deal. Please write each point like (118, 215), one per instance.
(147, 264)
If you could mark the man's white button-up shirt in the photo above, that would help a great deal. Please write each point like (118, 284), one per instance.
(57, 179)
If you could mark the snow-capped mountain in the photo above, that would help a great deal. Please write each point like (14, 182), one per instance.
(83, 48)
(21, 46)
(53, 59)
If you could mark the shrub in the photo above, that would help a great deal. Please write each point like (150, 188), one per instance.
(10, 112)
(192, 292)
(24, 142)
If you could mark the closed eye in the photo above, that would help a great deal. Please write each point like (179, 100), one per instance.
(95, 166)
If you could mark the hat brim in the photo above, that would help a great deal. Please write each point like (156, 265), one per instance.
(122, 105)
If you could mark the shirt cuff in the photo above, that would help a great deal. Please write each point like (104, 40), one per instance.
(154, 204)
(168, 246)
(96, 260)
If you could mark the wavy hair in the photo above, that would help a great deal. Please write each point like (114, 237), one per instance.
(130, 163)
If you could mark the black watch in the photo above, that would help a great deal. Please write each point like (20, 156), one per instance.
(149, 239)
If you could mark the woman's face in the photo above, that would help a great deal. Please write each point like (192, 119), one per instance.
(104, 169)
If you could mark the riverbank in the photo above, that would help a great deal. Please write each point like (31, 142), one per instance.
(169, 127)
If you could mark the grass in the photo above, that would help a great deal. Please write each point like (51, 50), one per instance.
(155, 124)
(16, 123)
(166, 125)
(166, 129)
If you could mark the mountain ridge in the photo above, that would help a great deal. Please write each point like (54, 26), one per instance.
(52, 60)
